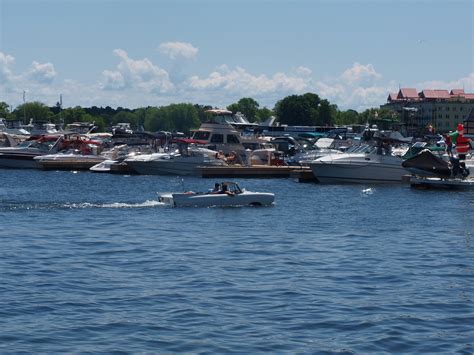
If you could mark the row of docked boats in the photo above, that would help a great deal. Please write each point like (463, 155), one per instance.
(421, 163)
(373, 157)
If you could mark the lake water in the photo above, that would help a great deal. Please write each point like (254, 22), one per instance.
(92, 262)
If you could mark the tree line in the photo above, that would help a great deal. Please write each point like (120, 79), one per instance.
(302, 110)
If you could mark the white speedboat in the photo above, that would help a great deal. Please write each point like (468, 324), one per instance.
(103, 166)
(229, 195)
(365, 164)
(184, 162)
(22, 155)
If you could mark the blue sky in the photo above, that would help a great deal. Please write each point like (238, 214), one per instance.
(138, 53)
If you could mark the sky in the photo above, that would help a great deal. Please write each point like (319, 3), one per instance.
(135, 53)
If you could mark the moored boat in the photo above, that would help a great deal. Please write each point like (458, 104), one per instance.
(184, 162)
(366, 164)
(22, 155)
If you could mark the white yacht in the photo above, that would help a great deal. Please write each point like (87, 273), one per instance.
(182, 162)
(362, 164)
(226, 132)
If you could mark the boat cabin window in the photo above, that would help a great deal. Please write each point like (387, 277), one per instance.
(201, 135)
(232, 138)
(217, 138)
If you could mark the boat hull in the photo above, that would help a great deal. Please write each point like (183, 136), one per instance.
(168, 167)
(438, 183)
(18, 161)
(66, 162)
(246, 198)
(370, 172)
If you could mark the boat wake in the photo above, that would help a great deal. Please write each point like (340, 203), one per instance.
(22, 206)
(147, 203)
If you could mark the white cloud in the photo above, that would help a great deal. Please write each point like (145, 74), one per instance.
(42, 73)
(360, 73)
(141, 73)
(176, 50)
(302, 71)
(5, 63)
(238, 80)
(466, 82)
(140, 82)
(113, 80)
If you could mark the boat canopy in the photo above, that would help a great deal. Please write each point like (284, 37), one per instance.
(190, 141)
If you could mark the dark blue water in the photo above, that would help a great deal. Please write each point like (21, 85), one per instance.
(94, 263)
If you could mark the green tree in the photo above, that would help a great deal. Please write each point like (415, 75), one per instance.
(140, 114)
(247, 106)
(325, 115)
(4, 110)
(73, 114)
(347, 117)
(183, 117)
(126, 117)
(33, 110)
(298, 109)
(175, 117)
(152, 119)
(263, 114)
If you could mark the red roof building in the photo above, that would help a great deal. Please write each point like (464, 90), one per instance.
(457, 92)
(392, 96)
(434, 94)
(407, 94)
(442, 109)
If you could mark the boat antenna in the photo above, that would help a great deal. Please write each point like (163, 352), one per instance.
(24, 106)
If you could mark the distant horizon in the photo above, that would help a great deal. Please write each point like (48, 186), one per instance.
(134, 54)
(216, 107)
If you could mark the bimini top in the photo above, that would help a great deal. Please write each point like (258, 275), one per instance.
(219, 112)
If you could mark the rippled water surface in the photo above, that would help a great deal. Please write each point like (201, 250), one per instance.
(92, 262)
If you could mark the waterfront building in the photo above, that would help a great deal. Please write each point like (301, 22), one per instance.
(469, 124)
(441, 109)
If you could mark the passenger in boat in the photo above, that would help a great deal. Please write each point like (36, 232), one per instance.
(387, 148)
(225, 190)
(449, 145)
(220, 155)
(233, 158)
(216, 189)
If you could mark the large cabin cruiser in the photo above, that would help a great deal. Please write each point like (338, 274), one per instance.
(361, 164)
(225, 132)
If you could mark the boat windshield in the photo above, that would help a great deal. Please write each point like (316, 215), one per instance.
(364, 148)
(232, 187)
(201, 135)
